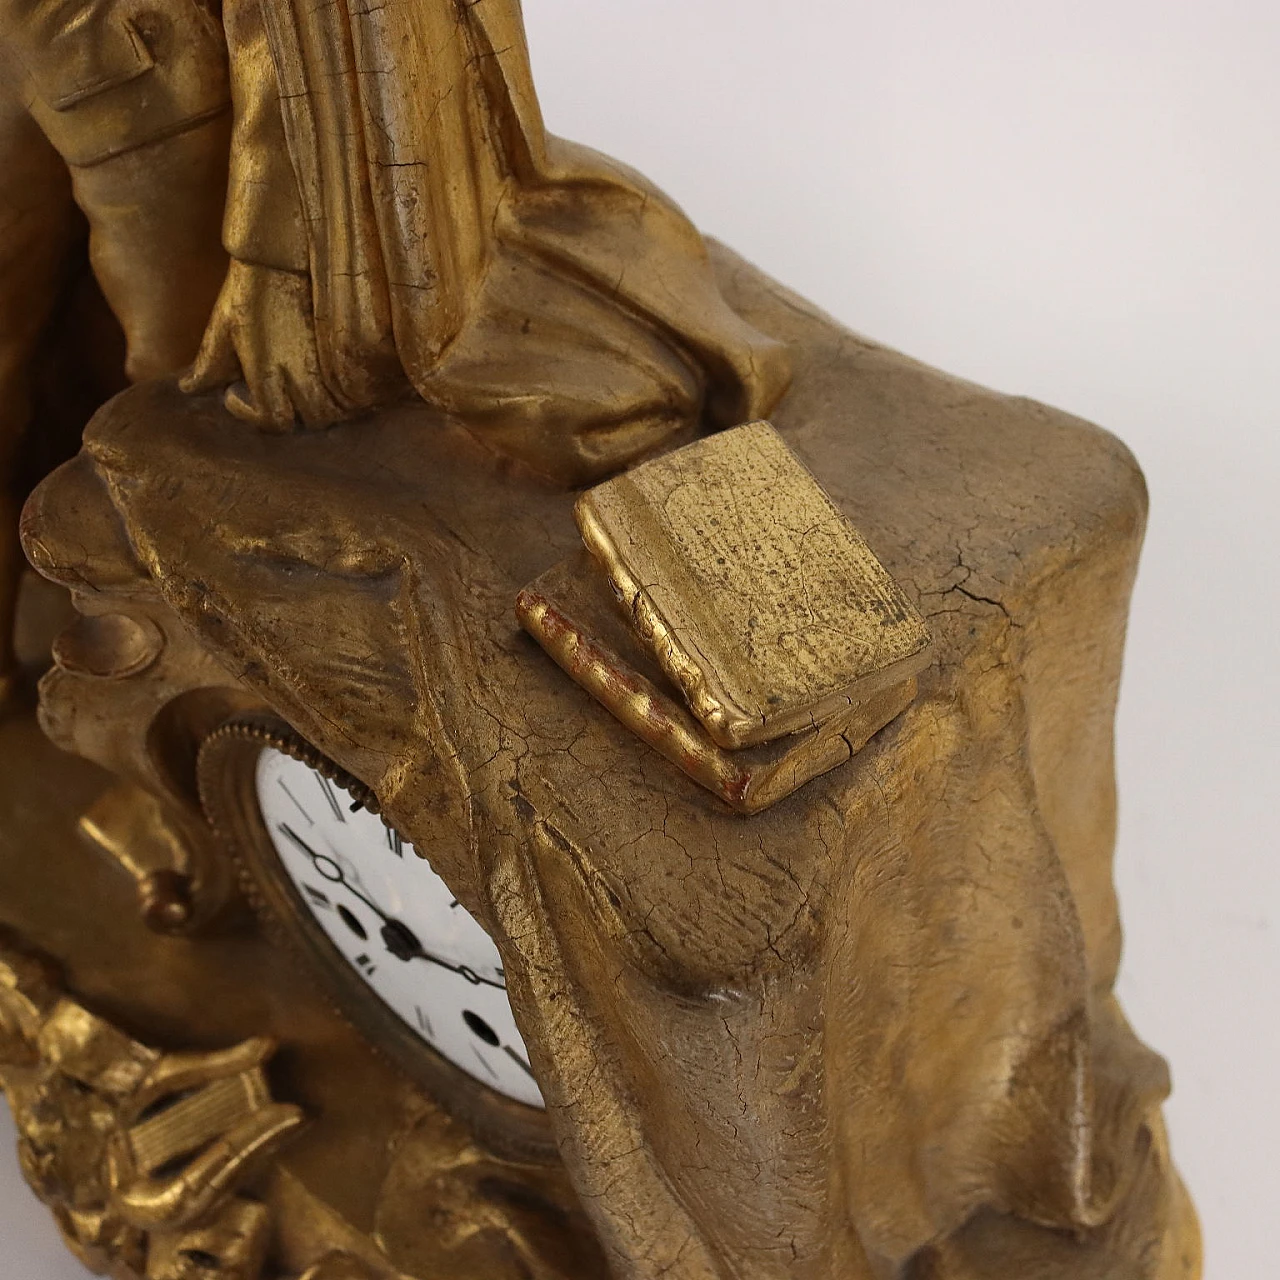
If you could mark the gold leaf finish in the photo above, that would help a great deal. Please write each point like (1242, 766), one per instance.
(139, 1154)
(801, 886)
(572, 613)
(322, 240)
(867, 1030)
(760, 600)
(361, 1192)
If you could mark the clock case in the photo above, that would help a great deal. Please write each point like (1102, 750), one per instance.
(226, 768)
(380, 1182)
(1016, 528)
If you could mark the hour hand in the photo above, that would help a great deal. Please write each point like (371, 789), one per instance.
(326, 866)
(403, 943)
(333, 871)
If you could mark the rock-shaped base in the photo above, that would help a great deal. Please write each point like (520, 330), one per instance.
(868, 1032)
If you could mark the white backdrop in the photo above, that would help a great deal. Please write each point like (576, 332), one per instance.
(1081, 203)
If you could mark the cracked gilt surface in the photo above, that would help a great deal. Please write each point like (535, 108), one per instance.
(760, 600)
(869, 1032)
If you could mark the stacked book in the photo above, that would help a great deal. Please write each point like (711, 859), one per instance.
(732, 617)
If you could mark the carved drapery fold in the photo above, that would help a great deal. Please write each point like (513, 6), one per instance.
(544, 294)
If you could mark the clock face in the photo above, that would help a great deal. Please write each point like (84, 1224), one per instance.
(395, 923)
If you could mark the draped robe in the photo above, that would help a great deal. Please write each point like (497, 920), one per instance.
(867, 1034)
(392, 159)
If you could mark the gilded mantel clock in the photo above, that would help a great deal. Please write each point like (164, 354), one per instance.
(604, 772)
(384, 935)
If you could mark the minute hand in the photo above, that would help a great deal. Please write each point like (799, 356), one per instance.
(332, 870)
(400, 939)
(462, 970)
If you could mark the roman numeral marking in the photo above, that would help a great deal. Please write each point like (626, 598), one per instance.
(423, 1021)
(318, 899)
(395, 842)
(484, 1062)
(331, 795)
(280, 782)
(519, 1061)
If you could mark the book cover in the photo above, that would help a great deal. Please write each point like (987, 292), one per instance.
(758, 598)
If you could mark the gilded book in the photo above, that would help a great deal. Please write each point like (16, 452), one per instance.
(758, 598)
(570, 611)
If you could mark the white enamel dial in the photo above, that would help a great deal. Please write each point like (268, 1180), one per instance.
(396, 923)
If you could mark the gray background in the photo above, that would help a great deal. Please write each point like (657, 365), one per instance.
(1077, 202)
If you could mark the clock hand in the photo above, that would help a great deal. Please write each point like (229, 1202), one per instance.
(404, 945)
(398, 938)
(332, 871)
(470, 974)
(519, 1060)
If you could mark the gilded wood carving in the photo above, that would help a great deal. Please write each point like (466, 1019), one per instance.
(779, 825)
(139, 1154)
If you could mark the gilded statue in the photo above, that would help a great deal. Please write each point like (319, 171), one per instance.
(321, 236)
(114, 145)
(139, 1154)
(643, 752)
